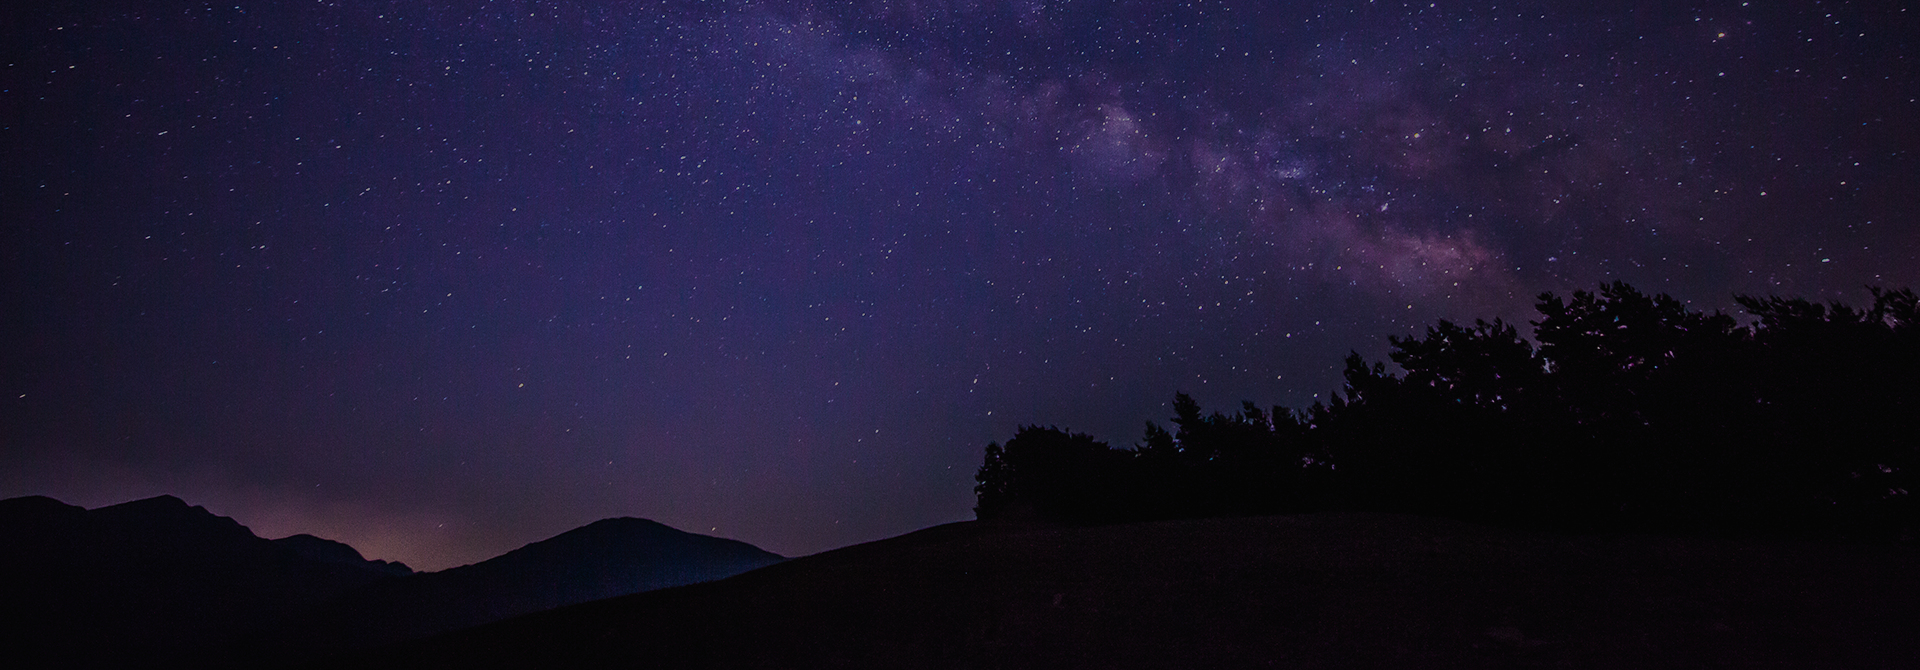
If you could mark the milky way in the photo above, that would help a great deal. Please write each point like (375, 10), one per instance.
(441, 279)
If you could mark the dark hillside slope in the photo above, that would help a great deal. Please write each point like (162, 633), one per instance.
(1346, 590)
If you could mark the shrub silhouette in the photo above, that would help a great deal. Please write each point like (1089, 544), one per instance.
(1632, 412)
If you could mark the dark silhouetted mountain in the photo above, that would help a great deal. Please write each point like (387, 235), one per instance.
(149, 581)
(608, 558)
(1352, 590)
(160, 582)
(330, 551)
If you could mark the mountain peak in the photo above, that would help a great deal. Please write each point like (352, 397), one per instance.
(338, 553)
(162, 505)
(168, 514)
(158, 502)
(36, 505)
(628, 536)
(623, 523)
(607, 558)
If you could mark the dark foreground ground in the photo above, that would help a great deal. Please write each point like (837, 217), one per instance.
(1349, 590)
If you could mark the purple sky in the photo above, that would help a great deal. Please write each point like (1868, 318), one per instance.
(441, 279)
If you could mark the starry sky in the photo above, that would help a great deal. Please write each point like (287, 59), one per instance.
(439, 279)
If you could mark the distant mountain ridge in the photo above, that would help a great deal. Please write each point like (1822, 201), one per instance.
(604, 559)
(333, 551)
(161, 582)
(153, 580)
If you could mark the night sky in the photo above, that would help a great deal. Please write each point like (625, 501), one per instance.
(439, 279)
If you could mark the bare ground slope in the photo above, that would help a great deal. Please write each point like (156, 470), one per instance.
(1343, 590)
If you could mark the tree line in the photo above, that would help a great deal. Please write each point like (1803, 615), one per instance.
(1624, 411)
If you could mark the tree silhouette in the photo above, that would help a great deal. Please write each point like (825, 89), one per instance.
(1633, 412)
(993, 483)
(1058, 475)
(1836, 404)
(1652, 391)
